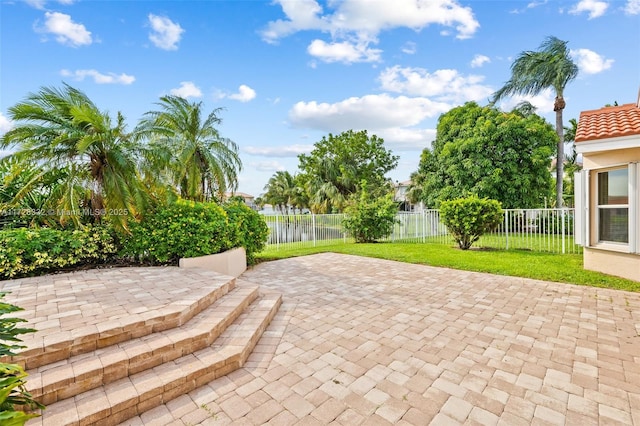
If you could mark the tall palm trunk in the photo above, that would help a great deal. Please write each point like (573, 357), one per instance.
(558, 107)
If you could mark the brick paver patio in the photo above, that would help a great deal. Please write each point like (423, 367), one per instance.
(366, 341)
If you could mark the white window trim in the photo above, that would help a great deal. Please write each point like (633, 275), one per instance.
(633, 233)
(634, 208)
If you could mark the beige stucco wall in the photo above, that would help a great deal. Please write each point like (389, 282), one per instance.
(232, 262)
(598, 259)
(611, 158)
(610, 262)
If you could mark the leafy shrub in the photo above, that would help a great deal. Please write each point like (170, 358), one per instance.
(181, 229)
(14, 397)
(467, 219)
(248, 227)
(27, 252)
(370, 219)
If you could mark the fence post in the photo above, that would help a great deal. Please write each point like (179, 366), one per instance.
(313, 226)
(563, 229)
(506, 227)
(277, 234)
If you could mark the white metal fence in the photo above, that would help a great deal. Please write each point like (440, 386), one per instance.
(546, 230)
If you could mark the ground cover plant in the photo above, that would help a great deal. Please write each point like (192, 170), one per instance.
(34, 251)
(566, 268)
(16, 404)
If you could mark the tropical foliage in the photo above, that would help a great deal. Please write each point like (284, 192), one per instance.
(571, 163)
(79, 188)
(370, 219)
(33, 251)
(249, 229)
(338, 163)
(488, 153)
(550, 67)
(185, 151)
(62, 129)
(16, 404)
(181, 229)
(467, 219)
(285, 191)
(188, 229)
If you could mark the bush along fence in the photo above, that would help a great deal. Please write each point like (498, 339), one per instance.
(544, 230)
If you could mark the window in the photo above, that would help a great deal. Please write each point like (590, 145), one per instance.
(613, 206)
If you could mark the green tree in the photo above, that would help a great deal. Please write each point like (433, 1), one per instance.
(281, 191)
(186, 152)
(485, 152)
(370, 218)
(551, 67)
(64, 129)
(337, 165)
(571, 164)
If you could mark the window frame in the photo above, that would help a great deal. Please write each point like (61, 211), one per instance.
(614, 245)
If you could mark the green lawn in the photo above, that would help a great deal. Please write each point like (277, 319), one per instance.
(544, 266)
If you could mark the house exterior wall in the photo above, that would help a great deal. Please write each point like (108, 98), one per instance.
(611, 258)
(611, 158)
(623, 265)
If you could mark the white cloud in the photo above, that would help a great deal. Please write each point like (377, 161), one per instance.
(367, 112)
(446, 85)
(479, 60)
(267, 166)
(245, 94)
(543, 101)
(632, 7)
(39, 4)
(590, 62)
(5, 124)
(409, 48)
(98, 77)
(595, 8)
(355, 24)
(368, 18)
(345, 51)
(531, 5)
(187, 90)
(279, 151)
(66, 31)
(165, 34)
(407, 139)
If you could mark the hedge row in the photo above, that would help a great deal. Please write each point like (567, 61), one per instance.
(27, 252)
(181, 229)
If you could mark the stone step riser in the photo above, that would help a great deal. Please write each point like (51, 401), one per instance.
(131, 396)
(68, 380)
(85, 341)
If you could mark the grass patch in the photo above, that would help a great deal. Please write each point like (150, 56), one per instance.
(566, 268)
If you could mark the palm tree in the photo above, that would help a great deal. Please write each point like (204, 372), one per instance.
(189, 152)
(571, 164)
(551, 67)
(63, 129)
(281, 191)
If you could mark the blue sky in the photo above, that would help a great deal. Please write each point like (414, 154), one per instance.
(289, 72)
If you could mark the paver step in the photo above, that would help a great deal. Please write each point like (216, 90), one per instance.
(45, 348)
(71, 377)
(130, 396)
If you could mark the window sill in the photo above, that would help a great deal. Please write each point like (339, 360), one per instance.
(617, 247)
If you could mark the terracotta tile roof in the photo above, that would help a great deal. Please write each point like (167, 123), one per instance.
(609, 122)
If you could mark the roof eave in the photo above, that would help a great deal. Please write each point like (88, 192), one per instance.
(608, 144)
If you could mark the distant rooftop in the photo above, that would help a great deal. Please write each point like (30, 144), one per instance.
(609, 122)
